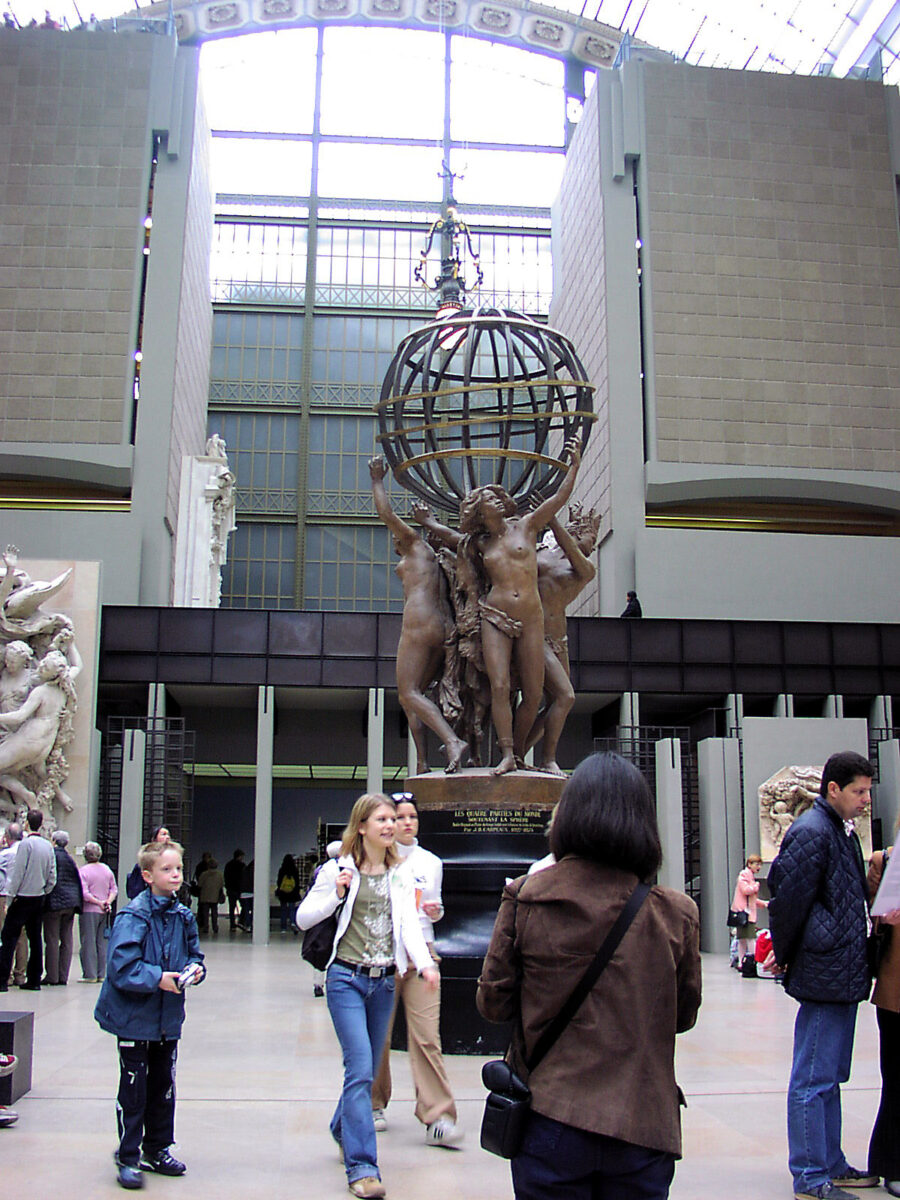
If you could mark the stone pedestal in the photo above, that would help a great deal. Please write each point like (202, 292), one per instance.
(16, 1037)
(486, 829)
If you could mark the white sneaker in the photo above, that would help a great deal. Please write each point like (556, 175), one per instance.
(380, 1120)
(444, 1132)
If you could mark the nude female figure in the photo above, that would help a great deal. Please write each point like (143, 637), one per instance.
(512, 618)
(35, 727)
(563, 572)
(17, 677)
(427, 624)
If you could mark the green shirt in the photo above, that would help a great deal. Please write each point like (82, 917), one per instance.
(369, 938)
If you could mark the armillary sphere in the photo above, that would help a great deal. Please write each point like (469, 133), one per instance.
(485, 395)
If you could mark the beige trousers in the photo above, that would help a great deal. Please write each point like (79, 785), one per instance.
(423, 1013)
(20, 961)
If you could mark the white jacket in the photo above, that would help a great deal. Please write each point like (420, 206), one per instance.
(428, 874)
(322, 900)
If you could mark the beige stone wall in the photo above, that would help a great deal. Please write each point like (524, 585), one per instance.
(194, 319)
(579, 307)
(73, 168)
(770, 229)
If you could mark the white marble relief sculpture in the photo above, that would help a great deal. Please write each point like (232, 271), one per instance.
(38, 700)
(206, 509)
(784, 797)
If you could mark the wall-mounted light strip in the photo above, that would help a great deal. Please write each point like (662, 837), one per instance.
(47, 504)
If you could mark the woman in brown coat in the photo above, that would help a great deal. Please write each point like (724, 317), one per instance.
(604, 1121)
(884, 1147)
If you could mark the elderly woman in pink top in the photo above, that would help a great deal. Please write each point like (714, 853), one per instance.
(746, 899)
(98, 886)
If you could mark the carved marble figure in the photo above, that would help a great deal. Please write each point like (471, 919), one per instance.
(21, 599)
(787, 794)
(37, 704)
(17, 676)
(40, 728)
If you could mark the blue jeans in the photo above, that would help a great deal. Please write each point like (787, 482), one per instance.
(560, 1162)
(823, 1048)
(360, 1010)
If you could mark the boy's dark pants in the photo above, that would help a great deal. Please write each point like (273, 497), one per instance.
(145, 1105)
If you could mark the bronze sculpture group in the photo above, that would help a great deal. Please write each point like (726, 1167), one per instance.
(484, 620)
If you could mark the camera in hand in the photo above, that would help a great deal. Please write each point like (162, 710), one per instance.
(192, 973)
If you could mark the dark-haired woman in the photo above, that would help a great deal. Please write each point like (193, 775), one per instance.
(604, 1121)
(378, 933)
(135, 882)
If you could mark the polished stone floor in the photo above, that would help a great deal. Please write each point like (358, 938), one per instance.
(259, 1070)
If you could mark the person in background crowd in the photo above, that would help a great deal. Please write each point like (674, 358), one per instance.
(31, 880)
(98, 889)
(246, 918)
(884, 1145)
(604, 1120)
(818, 918)
(746, 899)
(287, 891)
(632, 607)
(212, 893)
(435, 1106)
(234, 877)
(135, 883)
(378, 931)
(202, 865)
(9, 844)
(59, 919)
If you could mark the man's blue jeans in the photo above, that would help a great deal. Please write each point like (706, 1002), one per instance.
(823, 1048)
(360, 1009)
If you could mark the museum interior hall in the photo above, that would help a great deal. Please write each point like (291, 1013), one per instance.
(249, 246)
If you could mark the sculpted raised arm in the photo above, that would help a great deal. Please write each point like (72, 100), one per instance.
(541, 516)
(426, 518)
(404, 533)
(583, 567)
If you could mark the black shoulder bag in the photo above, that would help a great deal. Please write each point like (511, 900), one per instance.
(509, 1098)
(318, 941)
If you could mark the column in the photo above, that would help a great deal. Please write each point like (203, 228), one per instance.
(721, 836)
(375, 741)
(734, 708)
(881, 715)
(629, 709)
(670, 812)
(886, 792)
(156, 701)
(131, 805)
(262, 829)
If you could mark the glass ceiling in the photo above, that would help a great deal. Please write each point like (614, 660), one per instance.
(803, 36)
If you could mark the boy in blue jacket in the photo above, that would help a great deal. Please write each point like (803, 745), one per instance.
(151, 943)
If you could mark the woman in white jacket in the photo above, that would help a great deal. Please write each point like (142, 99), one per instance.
(378, 933)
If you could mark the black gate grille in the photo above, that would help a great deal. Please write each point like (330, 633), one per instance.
(637, 743)
(168, 781)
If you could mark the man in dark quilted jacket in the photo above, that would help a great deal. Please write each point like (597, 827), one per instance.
(818, 918)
